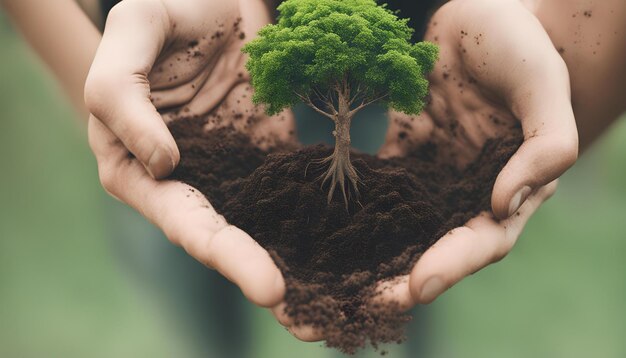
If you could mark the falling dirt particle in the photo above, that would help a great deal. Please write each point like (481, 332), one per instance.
(197, 54)
(292, 132)
(242, 36)
(402, 135)
(238, 116)
(435, 23)
(446, 75)
(193, 43)
(587, 13)
(436, 38)
(240, 75)
(186, 110)
(193, 86)
(561, 50)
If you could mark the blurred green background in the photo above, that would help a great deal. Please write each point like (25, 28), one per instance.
(67, 290)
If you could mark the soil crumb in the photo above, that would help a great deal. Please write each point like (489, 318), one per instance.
(331, 257)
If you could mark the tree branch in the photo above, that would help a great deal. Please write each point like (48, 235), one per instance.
(307, 100)
(326, 99)
(357, 94)
(366, 103)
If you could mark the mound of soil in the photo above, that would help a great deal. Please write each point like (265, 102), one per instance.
(331, 257)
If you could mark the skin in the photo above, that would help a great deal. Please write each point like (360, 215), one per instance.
(524, 79)
(50, 27)
(138, 83)
(508, 66)
(131, 103)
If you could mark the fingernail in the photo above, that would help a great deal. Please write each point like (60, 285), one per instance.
(518, 199)
(431, 289)
(161, 163)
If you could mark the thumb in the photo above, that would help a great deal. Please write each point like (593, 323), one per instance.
(528, 73)
(117, 90)
(550, 147)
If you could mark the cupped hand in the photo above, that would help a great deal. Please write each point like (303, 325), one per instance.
(497, 69)
(160, 60)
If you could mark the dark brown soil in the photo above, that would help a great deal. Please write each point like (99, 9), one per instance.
(332, 258)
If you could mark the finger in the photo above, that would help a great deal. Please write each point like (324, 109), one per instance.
(516, 59)
(188, 220)
(550, 144)
(467, 249)
(394, 292)
(117, 90)
(306, 333)
(281, 314)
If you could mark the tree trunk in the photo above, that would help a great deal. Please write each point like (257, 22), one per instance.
(340, 165)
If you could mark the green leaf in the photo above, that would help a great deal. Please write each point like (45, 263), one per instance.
(317, 43)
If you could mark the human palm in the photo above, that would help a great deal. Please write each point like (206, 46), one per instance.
(160, 61)
(498, 72)
(183, 59)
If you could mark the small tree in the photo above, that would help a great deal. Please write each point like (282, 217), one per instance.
(338, 56)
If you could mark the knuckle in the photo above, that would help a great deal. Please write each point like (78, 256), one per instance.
(122, 9)
(175, 236)
(566, 149)
(502, 251)
(108, 179)
(98, 88)
(498, 256)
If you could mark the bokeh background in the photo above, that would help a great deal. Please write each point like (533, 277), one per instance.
(77, 269)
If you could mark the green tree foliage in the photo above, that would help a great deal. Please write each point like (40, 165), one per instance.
(338, 56)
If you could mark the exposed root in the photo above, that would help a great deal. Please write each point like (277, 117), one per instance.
(339, 170)
(316, 162)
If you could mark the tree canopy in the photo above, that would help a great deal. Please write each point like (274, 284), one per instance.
(318, 46)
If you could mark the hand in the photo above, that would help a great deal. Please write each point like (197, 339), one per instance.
(159, 59)
(497, 68)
